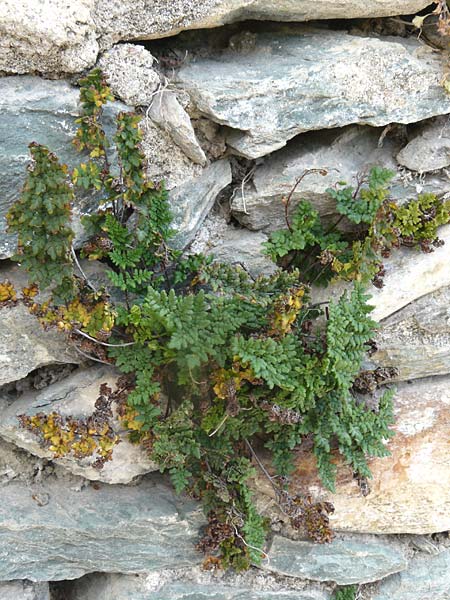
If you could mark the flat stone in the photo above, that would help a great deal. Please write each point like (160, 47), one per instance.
(428, 577)
(195, 584)
(429, 149)
(130, 74)
(25, 346)
(128, 19)
(243, 247)
(167, 112)
(410, 489)
(75, 396)
(53, 532)
(307, 79)
(47, 37)
(410, 274)
(24, 590)
(35, 109)
(192, 201)
(416, 339)
(343, 561)
(343, 153)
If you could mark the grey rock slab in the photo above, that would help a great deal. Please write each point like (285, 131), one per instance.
(192, 201)
(343, 561)
(44, 111)
(343, 153)
(427, 578)
(137, 19)
(410, 274)
(416, 339)
(25, 346)
(64, 534)
(306, 79)
(429, 149)
(167, 112)
(47, 37)
(195, 584)
(243, 247)
(24, 590)
(75, 396)
(129, 71)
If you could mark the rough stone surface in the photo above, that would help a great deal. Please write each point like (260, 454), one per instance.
(52, 36)
(25, 346)
(344, 154)
(416, 339)
(307, 79)
(35, 109)
(410, 274)
(239, 246)
(409, 492)
(430, 148)
(165, 161)
(137, 19)
(75, 396)
(24, 590)
(55, 532)
(167, 112)
(427, 578)
(343, 561)
(130, 74)
(194, 584)
(191, 202)
(15, 463)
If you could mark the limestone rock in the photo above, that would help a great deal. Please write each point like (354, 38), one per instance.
(429, 149)
(131, 19)
(409, 492)
(426, 577)
(48, 37)
(130, 74)
(344, 154)
(416, 339)
(75, 396)
(410, 274)
(307, 79)
(24, 590)
(343, 561)
(35, 109)
(25, 346)
(195, 584)
(191, 202)
(63, 534)
(167, 112)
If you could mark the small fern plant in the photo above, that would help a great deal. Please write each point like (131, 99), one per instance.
(216, 367)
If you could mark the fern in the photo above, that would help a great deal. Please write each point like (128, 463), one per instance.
(215, 362)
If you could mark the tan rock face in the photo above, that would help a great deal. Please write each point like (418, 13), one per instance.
(410, 490)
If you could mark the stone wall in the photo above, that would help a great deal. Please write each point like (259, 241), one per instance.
(238, 98)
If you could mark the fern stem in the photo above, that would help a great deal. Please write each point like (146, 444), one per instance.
(93, 339)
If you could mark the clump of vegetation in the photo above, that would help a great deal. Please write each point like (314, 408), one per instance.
(215, 364)
(379, 226)
(346, 593)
